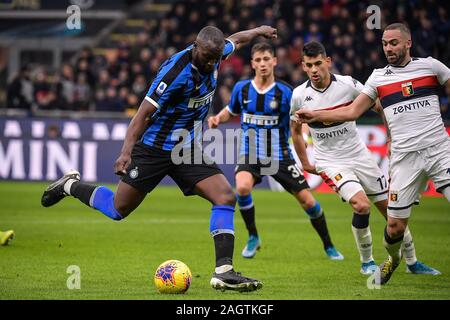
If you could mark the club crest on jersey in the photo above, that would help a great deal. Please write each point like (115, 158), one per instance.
(273, 104)
(161, 88)
(394, 196)
(407, 89)
(338, 177)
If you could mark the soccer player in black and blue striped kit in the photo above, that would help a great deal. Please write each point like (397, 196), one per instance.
(264, 104)
(178, 99)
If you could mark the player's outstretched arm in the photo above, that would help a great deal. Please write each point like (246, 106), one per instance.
(134, 132)
(223, 116)
(242, 38)
(361, 104)
(300, 147)
(379, 109)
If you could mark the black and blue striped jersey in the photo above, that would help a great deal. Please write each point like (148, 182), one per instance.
(264, 119)
(182, 96)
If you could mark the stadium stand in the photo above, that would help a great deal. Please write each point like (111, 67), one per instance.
(119, 54)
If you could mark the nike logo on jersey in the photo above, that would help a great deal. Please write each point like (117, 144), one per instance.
(247, 101)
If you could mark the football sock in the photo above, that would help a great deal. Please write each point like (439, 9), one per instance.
(318, 221)
(408, 249)
(224, 245)
(222, 230)
(315, 211)
(363, 236)
(393, 247)
(80, 190)
(100, 198)
(247, 209)
(446, 193)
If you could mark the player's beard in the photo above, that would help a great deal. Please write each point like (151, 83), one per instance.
(400, 58)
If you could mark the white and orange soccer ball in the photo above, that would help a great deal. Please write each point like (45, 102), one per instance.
(172, 276)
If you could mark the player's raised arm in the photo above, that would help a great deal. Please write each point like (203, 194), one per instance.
(361, 104)
(242, 38)
(135, 130)
(379, 109)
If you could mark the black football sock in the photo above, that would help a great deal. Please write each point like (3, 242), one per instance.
(320, 225)
(83, 192)
(249, 218)
(224, 245)
(247, 209)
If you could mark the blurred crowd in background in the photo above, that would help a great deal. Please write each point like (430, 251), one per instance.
(118, 82)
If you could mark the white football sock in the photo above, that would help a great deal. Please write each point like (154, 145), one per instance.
(408, 249)
(393, 250)
(446, 193)
(363, 239)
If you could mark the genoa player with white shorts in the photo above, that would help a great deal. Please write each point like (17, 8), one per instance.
(420, 149)
(341, 157)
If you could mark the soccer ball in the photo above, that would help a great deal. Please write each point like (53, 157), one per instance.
(173, 276)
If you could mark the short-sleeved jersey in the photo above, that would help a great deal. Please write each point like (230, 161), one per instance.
(332, 140)
(410, 102)
(183, 96)
(264, 119)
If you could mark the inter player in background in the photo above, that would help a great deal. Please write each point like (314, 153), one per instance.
(178, 99)
(341, 157)
(420, 147)
(6, 237)
(263, 104)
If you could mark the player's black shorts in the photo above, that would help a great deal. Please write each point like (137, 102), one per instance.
(150, 165)
(289, 174)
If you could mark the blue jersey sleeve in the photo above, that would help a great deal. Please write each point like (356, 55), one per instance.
(235, 105)
(228, 49)
(168, 83)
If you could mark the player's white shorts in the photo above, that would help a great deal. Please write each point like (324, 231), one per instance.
(410, 171)
(360, 173)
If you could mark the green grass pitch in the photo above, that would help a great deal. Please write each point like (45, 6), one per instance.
(117, 260)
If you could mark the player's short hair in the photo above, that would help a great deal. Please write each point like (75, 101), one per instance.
(212, 35)
(399, 26)
(313, 49)
(262, 47)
